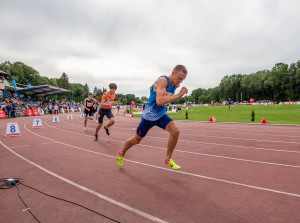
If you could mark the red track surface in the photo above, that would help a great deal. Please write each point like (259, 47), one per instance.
(230, 173)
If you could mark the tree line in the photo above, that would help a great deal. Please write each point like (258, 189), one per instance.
(281, 83)
(24, 74)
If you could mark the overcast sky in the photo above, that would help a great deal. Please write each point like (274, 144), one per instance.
(133, 42)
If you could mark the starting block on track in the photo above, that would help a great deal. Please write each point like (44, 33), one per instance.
(37, 123)
(55, 119)
(12, 129)
(82, 116)
(70, 117)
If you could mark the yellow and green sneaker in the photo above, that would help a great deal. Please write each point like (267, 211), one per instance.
(120, 159)
(172, 164)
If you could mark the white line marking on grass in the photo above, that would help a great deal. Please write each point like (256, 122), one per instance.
(175, 171)
(129, 208)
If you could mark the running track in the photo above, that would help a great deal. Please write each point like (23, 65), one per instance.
(230, 173)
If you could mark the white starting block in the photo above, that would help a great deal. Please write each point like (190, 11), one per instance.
(55, 119)
(12, 129)
(37, 123)
(70, 117)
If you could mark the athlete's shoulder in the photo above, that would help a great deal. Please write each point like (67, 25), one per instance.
(162, 81)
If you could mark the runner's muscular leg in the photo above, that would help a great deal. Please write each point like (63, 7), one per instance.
(136, 139)
(111, 122)
(174, 131)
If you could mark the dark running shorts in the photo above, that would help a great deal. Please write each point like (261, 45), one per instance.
(103, 112)
(146, 125)
(88, 113)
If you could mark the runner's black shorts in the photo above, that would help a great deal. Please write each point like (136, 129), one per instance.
(104, 112)
(88, 113)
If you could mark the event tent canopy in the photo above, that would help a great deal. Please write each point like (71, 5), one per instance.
(45, 90)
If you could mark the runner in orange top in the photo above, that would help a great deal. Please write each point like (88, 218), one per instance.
(106, 104)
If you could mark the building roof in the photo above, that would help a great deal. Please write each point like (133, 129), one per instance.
(45, 90)
(2, 73)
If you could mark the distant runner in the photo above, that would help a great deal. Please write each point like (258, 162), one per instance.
(88, 108)
(105, 109)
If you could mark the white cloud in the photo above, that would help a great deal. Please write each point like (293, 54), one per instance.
(133, 42)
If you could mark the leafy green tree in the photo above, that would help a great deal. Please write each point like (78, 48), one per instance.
(124, 101)
(86, 90)
(63, 81)
(130, 97)
(78, 90)
(95, 91)
(144, 99)
(53, 82)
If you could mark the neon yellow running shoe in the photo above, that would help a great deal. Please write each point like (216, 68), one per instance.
(172, 164)
(120, 159)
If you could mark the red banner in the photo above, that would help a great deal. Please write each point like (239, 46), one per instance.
(35, 112)
(2, 113)
(28, 112)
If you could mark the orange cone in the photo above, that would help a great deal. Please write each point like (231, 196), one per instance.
(212, 119)
(263, 121)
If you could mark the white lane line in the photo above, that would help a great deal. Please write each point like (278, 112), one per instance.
(182, 151)
(233, 133)
(182, 140)
(249, 129)
(234, 124)
(240, 133)
(202, 142)
(174, 171)
(129, 208)
(226, 137)
(44, 143)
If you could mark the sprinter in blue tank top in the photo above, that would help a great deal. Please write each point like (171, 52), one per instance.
(162, 92)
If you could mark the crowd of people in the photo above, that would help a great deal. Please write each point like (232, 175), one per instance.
(15, 107)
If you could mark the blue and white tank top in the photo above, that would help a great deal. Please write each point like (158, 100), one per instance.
(154, 112)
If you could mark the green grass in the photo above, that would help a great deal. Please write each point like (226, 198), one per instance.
(274, 114)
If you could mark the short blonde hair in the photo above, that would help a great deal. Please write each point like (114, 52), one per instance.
(180, 68)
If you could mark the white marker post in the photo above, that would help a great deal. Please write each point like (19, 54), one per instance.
(12, 129)
(37, 123)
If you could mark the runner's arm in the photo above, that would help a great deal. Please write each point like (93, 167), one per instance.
(161, 97)
(84, 104)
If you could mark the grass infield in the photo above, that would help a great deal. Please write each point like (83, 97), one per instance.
(274, 114)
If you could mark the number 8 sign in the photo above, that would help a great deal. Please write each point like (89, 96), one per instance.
(12, 129)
